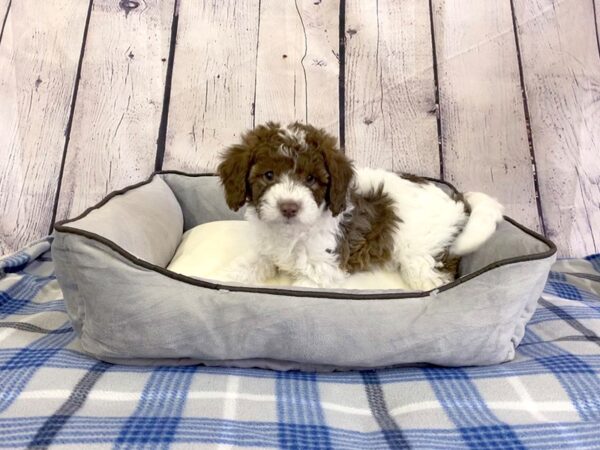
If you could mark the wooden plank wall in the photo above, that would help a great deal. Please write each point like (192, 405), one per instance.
(296, 70)
(39, 55)
(390, 101)
(4, 7)
(119, 102)
(214, 75)
(484, 132)
(495, 96)
(225, 81)
(596, 6)
(562, 81)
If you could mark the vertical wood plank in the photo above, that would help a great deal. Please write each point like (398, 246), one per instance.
(297, 64)
(390, 90)
(212, 93)
(596, 5)
(484, 130)
(39, 55)
(561, 69)
(4, 7)
(119, 102)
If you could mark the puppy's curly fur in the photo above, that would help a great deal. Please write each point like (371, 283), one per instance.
(317, 218)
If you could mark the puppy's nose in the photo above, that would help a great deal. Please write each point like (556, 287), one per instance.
(289, 208)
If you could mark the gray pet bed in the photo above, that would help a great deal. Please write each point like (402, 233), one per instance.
(127, 308)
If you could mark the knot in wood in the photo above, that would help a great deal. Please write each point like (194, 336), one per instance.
(128, 5)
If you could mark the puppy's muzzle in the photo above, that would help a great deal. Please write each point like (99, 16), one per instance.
(289, 208)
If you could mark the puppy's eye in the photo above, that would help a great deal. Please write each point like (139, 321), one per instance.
(269, 175)
(310, 180)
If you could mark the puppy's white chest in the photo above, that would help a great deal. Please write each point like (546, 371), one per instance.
(315, 246)
(294, 250)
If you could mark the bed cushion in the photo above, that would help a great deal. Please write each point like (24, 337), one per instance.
(126, 306)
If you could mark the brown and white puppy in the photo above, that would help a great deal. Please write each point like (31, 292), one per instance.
(318, 219)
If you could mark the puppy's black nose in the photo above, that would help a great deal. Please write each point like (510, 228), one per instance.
(289, 208)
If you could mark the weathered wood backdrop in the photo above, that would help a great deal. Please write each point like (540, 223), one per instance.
(495, 95)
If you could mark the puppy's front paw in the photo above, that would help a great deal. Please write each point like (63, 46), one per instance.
(427, 283)
(250, 271)
(420, 274)
(241, 275)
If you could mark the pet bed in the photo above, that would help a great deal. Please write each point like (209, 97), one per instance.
(126, 307)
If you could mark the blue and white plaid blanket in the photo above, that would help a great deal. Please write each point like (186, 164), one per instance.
(53, 395)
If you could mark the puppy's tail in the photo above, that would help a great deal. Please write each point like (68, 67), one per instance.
(486, 213)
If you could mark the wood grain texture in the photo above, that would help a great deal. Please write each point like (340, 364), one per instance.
(297, 64)
(213, 81)
(4, 6)
(119, 102)
(390, 90)
(484, 131)
(596, 4)
(39, 54)
(561, 68)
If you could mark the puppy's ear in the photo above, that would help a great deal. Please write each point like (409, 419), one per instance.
(341, 173)
(233, 172)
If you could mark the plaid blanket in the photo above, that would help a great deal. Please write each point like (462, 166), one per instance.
(53, 395)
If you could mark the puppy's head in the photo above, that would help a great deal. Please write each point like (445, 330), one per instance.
(289, 175)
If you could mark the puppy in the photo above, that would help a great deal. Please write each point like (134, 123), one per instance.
(317, 219)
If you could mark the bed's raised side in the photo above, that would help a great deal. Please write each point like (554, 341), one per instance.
(146, 221)
(201, 198)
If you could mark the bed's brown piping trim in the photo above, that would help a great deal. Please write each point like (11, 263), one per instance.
(125, 190)
(63, 228)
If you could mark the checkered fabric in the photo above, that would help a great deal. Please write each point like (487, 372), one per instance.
(51, 395)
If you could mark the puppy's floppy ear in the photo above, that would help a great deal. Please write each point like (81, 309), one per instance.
(337, 165)
(341, 173)
(233, 172)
